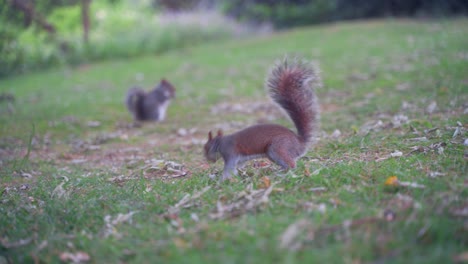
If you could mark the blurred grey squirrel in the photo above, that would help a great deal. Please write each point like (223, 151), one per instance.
(150, 106)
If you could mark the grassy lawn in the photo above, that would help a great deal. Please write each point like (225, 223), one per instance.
(79, 181)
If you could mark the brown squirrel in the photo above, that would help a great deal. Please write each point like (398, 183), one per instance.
(291, 85)
(152, 105)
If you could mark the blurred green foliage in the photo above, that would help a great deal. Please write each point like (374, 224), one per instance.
(125, 28)
(11, 55)
(285, 15)
(119, 29)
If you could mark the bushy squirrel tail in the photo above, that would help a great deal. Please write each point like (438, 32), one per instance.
(291, 84)
(134, 101)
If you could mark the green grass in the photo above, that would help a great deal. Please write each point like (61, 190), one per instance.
(56, 199)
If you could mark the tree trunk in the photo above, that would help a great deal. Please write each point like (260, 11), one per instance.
(85, 19)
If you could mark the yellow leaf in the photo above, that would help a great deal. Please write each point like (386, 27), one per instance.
(265, 183)
(391, 181)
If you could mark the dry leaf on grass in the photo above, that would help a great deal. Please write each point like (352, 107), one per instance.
(394, 154)
(26, 175)
(371, 126)
(121, 178)
(165, 169)
(248, 200)
(458, 131)
(336, 134)
(291, 237)
(77, 257)
(182, 132)
(93, 123)
(303, 231)
(172, 214)
(318, 189)
(411, 185)
(313, 207)
(461, 211)
(399, 120)
(316, 172)
(22, 242)
(435, 174)
(59, 191)
(175, 221)
(461, 258)
(438, 147)
(431, 108)
(418, 139)
(187, 201)
(401, 202)
(111, 223)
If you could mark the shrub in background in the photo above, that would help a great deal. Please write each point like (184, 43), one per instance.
(11, 55)
(287, 13)
(281, 13)
(124, 32)
(123, 29)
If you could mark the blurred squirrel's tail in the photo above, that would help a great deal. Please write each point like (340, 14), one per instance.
(134, 102)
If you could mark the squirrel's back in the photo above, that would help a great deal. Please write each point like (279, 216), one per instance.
(291, 84)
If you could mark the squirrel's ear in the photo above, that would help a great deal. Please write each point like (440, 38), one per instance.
(210, 136)
(168, 85)
(220, 133)
(165, 82)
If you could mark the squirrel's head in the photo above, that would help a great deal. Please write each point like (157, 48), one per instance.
(168, 88)
(211, 146)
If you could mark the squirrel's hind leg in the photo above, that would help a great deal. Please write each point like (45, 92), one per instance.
(281, 156)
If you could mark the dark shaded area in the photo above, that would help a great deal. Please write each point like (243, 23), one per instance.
(30, 15)
(288, 13)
